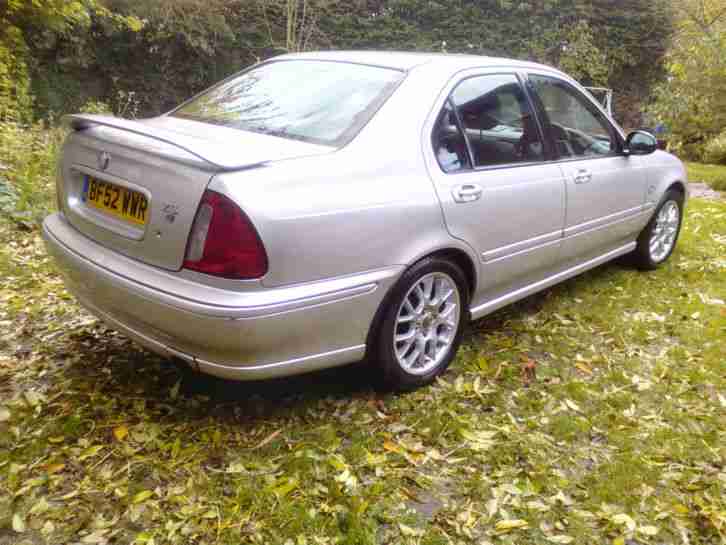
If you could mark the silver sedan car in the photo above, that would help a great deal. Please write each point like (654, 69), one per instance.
(319, 209)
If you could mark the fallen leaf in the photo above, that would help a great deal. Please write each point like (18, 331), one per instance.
(624, 520)
(120, 432)
(40, 507)
(4, 414)
(408, 531)
(572, 405)
(390, 446)
(32, 397)
(560, 539)
(18, 523)
(267, 439)
(50, 469)
(584, 368)
(512, 524)
(648, 530)
(142, 496)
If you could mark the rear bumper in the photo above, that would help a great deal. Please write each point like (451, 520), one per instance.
(246, 334)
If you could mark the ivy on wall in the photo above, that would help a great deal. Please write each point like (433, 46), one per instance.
(162, 52)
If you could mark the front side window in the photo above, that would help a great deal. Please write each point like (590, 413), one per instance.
(497, 120)
(314, 101)
(576, 128)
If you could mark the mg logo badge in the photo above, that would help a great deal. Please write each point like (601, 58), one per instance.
(104, 158)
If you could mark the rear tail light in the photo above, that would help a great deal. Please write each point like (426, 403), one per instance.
(223, 241)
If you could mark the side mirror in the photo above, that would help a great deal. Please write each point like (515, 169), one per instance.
(640, 143)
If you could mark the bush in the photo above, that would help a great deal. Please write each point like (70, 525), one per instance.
(714, 151)
(713, 175)
(28, 157)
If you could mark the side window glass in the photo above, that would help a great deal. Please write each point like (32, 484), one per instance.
(576, 127)
(497, 120)
(449, 143)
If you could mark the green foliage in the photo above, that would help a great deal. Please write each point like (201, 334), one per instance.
(167, 51)
(692, 101)
(30, 33)
(28, 156)
(715, 150)
(713, 175)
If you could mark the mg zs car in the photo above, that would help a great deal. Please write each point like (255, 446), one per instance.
(323, 208)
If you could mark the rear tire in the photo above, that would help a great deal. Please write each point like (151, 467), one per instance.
(420, 324)
(658, 239)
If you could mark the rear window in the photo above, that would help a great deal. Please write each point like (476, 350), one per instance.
(315, 101)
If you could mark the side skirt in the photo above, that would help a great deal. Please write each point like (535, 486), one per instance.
(504, 300)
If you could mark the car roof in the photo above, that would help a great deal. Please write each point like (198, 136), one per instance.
(405, 60)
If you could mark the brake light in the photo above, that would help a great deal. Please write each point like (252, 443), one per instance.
(223, 241)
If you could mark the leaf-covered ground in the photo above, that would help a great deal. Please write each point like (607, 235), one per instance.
(593, 413)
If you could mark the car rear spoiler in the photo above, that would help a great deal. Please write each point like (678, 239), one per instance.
(211, 152)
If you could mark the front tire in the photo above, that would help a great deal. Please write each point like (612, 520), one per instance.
(658, 239)
(420, 324)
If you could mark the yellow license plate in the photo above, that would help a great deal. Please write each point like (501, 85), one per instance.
(116, 200)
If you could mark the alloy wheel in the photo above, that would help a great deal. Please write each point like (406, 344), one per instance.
(426, 323)
(665, 231)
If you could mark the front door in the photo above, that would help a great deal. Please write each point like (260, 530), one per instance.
(497, 191)
(605, 189)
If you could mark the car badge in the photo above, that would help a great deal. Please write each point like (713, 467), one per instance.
(104, 158)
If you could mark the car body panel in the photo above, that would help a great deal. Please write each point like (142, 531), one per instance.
(339, 225)
(222, 328)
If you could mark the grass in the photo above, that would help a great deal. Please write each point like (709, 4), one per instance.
(713, 175)
(620, 437)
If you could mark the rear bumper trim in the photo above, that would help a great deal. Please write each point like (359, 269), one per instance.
(305, 364)
(239, 305)
(326, 326)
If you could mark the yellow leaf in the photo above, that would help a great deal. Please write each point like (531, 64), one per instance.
(54, 468)
(18, 523)
(619, 541)
(513, 524)
(120, 432)
(584, 368)
(90, 452)
(142, 496)
(648, 530)
(390, 446)
(680, 508)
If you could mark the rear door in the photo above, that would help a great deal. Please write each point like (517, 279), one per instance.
(497, 191)
(605, 188)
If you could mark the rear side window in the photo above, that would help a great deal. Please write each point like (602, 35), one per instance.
(575, 126)
(314, 101)
(498, 121)
(449, 143)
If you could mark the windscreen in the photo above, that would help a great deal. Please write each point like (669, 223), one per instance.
(315, 101)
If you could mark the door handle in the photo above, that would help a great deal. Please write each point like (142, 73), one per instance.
(583, 176)
(467, 192)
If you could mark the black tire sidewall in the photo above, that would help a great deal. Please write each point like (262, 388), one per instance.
(392, 375)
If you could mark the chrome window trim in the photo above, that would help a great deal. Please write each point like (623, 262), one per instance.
(615, 131)
(451, 88)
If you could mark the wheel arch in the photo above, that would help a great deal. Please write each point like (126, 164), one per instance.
(458, 256)
(679, 187)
